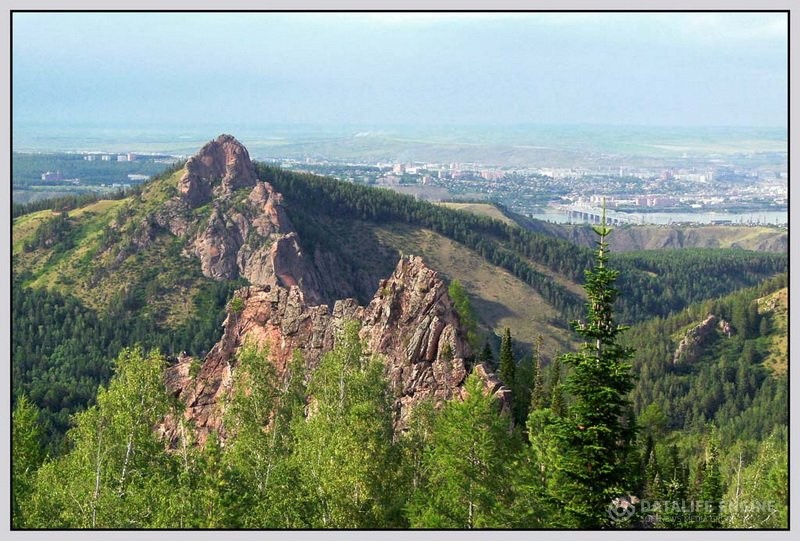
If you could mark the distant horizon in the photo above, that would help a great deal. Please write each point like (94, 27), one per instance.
(518, 144)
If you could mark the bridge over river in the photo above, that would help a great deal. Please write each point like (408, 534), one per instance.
(593, 215)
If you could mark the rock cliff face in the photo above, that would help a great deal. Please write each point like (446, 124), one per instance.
(221, 166)
(240, 234)
(411, 322)
(696, 338)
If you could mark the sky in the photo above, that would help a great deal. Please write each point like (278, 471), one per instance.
(645, 69)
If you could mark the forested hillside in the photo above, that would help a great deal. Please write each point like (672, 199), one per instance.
(711, 381)
(654, 283)
(464, 465)
(110, 293)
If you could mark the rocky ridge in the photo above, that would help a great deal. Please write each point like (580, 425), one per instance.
(292, 302)
(411, 321)
(235, 236)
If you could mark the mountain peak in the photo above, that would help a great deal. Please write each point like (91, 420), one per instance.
(220, 167)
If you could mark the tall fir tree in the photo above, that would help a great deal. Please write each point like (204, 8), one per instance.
(557, 401)
(710, 497)
(507, 365)
(487, 357)
(597, 434)
(538, 399)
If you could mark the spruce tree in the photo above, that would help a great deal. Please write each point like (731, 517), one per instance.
(710, 514)
(596, 435)
(537, 392)
(557, 402)
(507, 367)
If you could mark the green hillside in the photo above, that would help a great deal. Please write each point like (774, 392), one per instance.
(93, 280)
(112, 262)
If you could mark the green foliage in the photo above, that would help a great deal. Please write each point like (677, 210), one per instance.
(535, 481)
(557, 402)
(413, 446)
(538, 393)
(236, 305)
(466, 315)
(653, 421)
(116, 474)
(727, 383)
(521, 390)
(487, 357)
(263, 485)
(596, 436)
(466, 466)
(757, 495)
(55, 234)
(507, 364)
(26, 456)
(61, 349)
(343, 450)
(711, 490)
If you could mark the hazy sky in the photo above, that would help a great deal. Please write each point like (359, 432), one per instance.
(370, 69)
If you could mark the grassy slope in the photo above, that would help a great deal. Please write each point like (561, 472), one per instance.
(87, 271)
(481, 209)
(492, 211)
(778, 304)
(500, 300)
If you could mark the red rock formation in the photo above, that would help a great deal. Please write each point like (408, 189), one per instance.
(411, 322)
(221, 166)
(254, 238)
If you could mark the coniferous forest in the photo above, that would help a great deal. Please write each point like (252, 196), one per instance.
(623, 431)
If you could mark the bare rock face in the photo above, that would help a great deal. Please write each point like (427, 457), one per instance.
(697, 337)
(411, 322)
(220, 167)
(217, 245)
(251, 237)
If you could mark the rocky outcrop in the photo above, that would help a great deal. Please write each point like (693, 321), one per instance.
(221, 166)
(217, 244)
(237, 233)
(250, 236)
(694, 341)
(237, 226)
(411, 322)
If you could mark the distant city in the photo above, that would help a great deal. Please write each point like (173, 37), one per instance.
(697, 191)
(727, 193)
